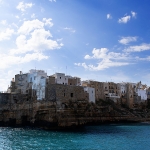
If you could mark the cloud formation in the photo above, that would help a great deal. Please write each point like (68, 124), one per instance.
(104, 64)
(106, 59)
(3, 22)
(133, 14)
(23, 6)
(9, 60)
(34, 38)
(31, 42)
(109, 16)
(128, 39)
(70, 29)
(104, 53)
(5, 35)
(138, 48)
(127, 18)
(124, 19)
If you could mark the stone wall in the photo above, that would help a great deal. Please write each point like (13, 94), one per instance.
(59, 92)
(4, 98)
(51, 80)
(72, 81)
(99, 88)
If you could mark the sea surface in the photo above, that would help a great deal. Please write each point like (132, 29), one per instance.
(104, 137)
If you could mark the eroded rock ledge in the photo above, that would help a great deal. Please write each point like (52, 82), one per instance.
(66, 114)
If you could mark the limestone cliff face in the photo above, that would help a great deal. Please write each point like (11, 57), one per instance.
(20, 110)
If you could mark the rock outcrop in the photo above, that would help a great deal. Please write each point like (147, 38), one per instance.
(22, 110)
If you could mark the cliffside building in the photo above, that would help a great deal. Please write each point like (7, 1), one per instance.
(35, 80)
(60, 78)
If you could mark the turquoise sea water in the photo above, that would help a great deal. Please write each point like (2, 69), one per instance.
(105, 137)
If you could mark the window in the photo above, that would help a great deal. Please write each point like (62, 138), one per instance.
(71, 94)
(64, 94)
(60, 77)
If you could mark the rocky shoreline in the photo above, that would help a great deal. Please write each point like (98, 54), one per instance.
(67, 115)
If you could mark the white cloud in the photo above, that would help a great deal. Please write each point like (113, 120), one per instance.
(5, 35)
(34, 38)
(124, 19)
(13, 24)
(138, 48)
(31, 41)
(29, 26)
(23, 6)
(38, 41)
(107, 59)
(48, 22)
(133, 14)
(103, 53)
(9, 60)
(97, 53)
(104, 64)
(109, 16)
(82, 64)
(52, 0)
(128, 39)
(70, 29)
(144, 59)
(3, 22)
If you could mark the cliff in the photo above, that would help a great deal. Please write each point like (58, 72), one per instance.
(22, 110)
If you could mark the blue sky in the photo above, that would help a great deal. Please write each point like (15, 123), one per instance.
(100, 40)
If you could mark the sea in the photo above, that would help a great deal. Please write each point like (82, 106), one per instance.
(102, 137)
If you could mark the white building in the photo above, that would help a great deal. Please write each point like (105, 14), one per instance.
(60, 78)
(140, 90)
(142, 93)
(21, 83)
(91, 92)
(122, 88)
(35, 80)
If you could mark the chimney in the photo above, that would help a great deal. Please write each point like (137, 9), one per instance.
(12, 79)
(20, 72)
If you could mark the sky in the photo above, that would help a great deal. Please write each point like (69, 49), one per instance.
(95, 40)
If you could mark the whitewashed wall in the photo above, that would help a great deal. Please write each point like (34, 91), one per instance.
(91, 92)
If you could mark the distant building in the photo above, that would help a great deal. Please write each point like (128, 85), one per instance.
(98, 86)
(60, 78)
(113, 92)
(35, 80)
(91, 92)
(64, 93)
